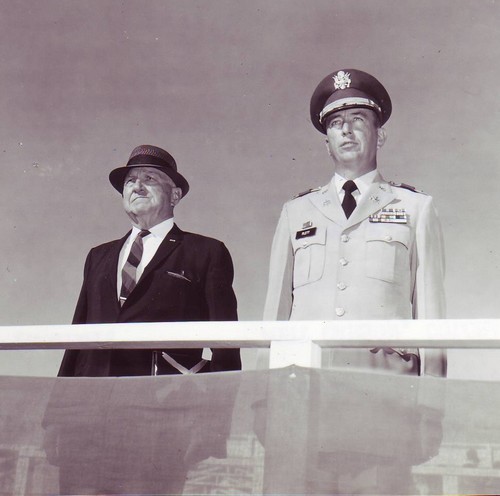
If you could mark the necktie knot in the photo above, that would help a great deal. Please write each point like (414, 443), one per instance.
(143, 233)
(349, 187)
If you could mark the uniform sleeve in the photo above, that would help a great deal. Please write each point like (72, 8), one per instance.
(428, 295)
(222, 305)
(279, 297)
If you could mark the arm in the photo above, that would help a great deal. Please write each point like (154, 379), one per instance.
(67, 367)
(428, 296)
(279, 298)
(222, 304)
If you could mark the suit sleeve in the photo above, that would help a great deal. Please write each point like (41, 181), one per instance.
(222, 305)
(279, 298)
(428, 295)
(67, 367)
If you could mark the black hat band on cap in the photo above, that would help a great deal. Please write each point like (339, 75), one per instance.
(348, 102)
(149, 160)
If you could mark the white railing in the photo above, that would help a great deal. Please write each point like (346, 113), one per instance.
(290, 342)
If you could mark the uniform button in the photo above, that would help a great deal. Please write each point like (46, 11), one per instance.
(344, 238)
(343, 262)
(341, 286)
(388, 238)
(339, 312)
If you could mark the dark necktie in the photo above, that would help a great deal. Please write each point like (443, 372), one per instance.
(129, 271)
(349, 203)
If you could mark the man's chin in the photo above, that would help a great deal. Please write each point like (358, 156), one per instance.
(350, 157)
(138, 210)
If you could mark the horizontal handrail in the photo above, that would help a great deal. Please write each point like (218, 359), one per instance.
(470, 333)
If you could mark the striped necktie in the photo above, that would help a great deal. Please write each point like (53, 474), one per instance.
(129, 271)
(349, 203)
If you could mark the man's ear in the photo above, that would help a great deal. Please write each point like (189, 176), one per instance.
(327, 143)
(176, 196)
(381, 137)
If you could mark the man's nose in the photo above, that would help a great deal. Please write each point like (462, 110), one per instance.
(346, 128)
(138, 186)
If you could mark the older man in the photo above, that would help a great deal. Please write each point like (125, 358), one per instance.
(360, 247)
(155, 273)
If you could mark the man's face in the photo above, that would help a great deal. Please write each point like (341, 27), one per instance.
(353, 138)
(148, 194)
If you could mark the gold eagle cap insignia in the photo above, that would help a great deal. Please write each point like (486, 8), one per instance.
(341, 80)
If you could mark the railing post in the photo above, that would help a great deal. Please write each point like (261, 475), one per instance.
(288, 415)
(299, 352)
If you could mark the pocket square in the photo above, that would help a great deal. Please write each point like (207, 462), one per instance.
(178, 276)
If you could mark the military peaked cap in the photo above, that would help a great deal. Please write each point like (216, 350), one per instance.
(348, 88)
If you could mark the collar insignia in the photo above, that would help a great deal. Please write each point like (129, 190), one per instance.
(341, 80)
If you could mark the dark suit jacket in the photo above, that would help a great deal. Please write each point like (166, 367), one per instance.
(189, 279)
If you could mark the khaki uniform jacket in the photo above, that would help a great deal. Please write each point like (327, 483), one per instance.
(326, 267)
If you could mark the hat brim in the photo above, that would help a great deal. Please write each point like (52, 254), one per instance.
(117, 177)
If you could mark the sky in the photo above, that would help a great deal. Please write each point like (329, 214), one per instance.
(224, 86)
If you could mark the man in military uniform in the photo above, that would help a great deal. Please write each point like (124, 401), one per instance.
(360, 247)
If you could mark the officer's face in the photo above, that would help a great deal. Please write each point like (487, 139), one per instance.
(353, 138)
(149, 194)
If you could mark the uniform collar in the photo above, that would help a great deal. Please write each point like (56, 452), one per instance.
(363, 182)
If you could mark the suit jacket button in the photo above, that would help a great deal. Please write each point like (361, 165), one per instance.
(343, 262)
(341, 286)
(339, 312)
(344, 238)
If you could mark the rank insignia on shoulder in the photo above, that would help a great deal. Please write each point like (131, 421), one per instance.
(306, 192)
(390, 215)
(406, 186)
(305, 233)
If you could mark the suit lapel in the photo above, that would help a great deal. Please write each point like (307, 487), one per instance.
(377, 197)
(172, 240)
(111, 267)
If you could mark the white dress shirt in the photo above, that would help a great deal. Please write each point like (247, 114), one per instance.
(363, 183)
(151, 243)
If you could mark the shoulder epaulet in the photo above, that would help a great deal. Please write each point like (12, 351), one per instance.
(407, 186)
(306, 192)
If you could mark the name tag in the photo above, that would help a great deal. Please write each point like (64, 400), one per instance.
(305, 233)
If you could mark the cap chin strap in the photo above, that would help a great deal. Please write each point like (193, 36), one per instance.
(350, 102)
